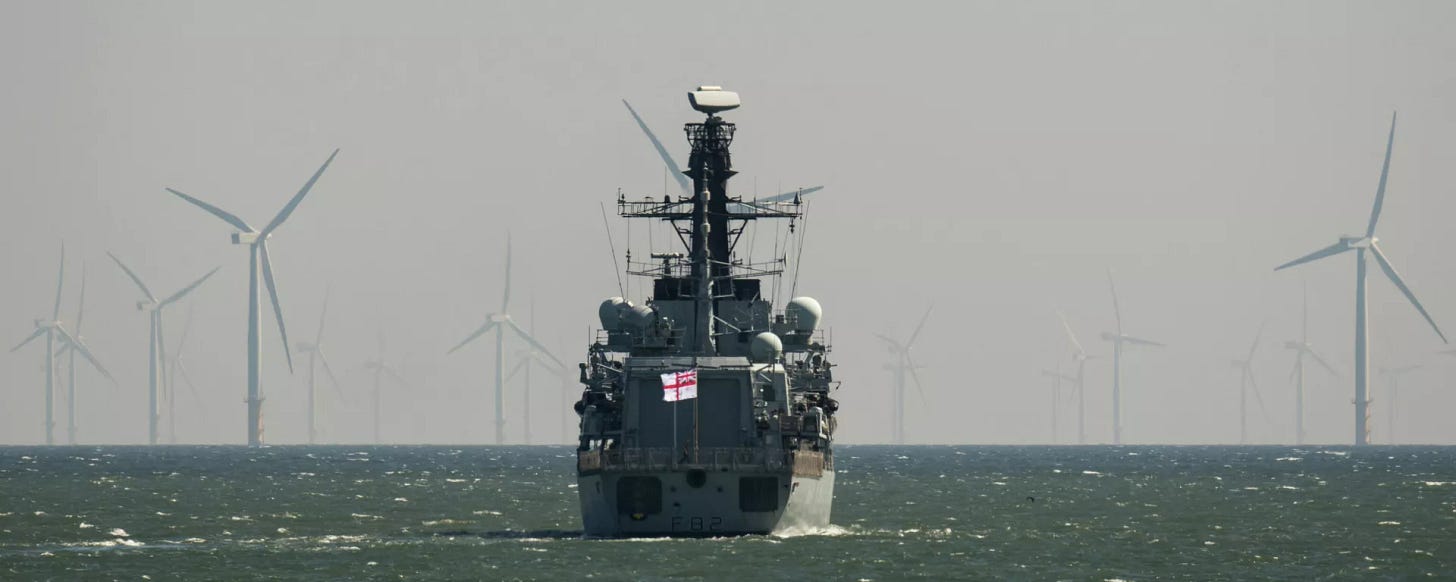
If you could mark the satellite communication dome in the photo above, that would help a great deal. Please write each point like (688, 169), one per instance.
(804, 313)
(610, 313)
(639, 317)
(766, 348)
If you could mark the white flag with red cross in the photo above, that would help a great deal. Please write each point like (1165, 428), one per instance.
(680, 385)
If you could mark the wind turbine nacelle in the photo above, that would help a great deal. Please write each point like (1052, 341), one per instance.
(245, 238)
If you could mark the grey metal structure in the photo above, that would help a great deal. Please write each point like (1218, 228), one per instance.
(156, 346)
(1118, 340)
(751, 454)
(1361, 245)
(257, 241)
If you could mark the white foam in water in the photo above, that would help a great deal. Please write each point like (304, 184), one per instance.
(118, 532)
(829, 530)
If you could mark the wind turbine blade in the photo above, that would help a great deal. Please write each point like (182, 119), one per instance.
(81, 303)
(672, 167)
(277, 307)
(39, 331)
(548, 364)
(1333, 249)
(188, 289)
(893, 343)
(911, 342)
(191, 387)
(1255, 345)
(1323, 363)
(60, 279)
(1395, 278)
(389, 371)
(1142, 342)
(1072, 337)
(318, 339)
(227, 217)
(506, 298)
(1116, 307)
(85, 352)
(333, 380)
(790, 195)
(915, 376)
(535, 344)
(134, 277)
(517, 368)
(182, 341)
(1384, 172)
(489, 325)
(292, 204)
(1294, 370)
(1263, 411)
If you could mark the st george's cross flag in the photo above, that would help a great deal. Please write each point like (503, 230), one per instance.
(680, 385)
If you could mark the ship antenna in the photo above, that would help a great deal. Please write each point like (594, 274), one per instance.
(616, 269)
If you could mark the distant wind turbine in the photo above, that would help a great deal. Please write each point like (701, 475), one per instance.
(382, 369)
(176, 365)
(156, 347)
(1246, 380)
(528, 357)
(71, 363)
(685, 186)
(1118, 340)
(1361, 245)
(316, 357)
(1392, 386)
(257, 242)
(903, 363)
(499, 321)
(1056, 393)
(1080, 356)
(1303, 349)
(54, 329)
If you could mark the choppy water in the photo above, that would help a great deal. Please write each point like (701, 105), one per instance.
(310, 513)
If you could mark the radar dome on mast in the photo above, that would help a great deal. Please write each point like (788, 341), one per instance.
(712, 99)
(766, 348)
(804, 314)
(610, 313)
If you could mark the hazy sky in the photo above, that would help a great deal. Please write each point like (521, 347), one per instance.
(992, 158)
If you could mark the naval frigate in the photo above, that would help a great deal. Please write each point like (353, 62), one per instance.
(706, 411)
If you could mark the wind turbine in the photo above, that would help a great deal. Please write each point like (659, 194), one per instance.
(1361, 245)
(176, 365)
(381, 369)
(71, 363)
(685, 186)
(316, 356)
(1057, 378)
(1118, 340)
(156, 347)
(257, 242)
(499, 321)
(53, 329)
(903, 363)
(527, 357)
(1080, 356)
(1392, 385)
(1302, 348)
(1246, 379)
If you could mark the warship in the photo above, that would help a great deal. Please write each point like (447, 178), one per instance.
(705, 411)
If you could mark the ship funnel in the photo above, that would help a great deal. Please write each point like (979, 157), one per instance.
(804, 314)
(766, 348)
(610, 313)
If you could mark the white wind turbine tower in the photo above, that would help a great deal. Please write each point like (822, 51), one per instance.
(1303, 349)
(156, 346)
(1080, 356)
(53, 329)
(257, 242)
(1361, 245)
(316, 356)
(1057, 378)
(1118, 340)
(1246, 380)
(71, 363)
(903, 363)
(499, 321)
(1392, 387)
(382, 369)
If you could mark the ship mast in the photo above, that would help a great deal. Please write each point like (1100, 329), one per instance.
(710, 166)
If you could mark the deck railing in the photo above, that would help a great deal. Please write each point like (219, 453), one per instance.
(712, 459)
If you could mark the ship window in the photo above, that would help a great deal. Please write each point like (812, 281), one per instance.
(758, 493)
(639, 495)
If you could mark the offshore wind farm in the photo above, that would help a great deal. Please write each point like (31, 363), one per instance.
(430, 187)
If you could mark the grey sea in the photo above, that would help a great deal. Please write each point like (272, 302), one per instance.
(931, 512)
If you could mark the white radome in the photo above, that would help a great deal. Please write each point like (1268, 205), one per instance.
(804, 314)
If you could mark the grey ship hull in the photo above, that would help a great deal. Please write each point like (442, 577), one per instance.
(713, 508)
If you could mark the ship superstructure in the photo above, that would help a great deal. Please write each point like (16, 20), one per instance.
(706, 411)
